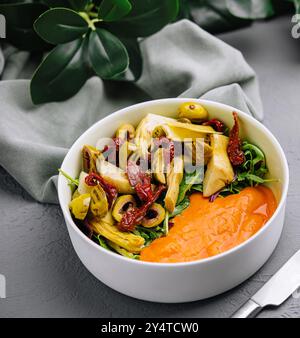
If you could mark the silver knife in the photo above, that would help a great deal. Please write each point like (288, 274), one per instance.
(275, 291)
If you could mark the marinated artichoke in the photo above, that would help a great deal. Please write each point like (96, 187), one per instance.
(99, 203)
(79, 206)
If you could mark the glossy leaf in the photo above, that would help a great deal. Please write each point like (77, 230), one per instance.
(108, 55)
(146, 18)
(60, 25)
(250, 9)
(135, 68)
(112, 10)
(79, 5)
(63, 72)
(19, 20)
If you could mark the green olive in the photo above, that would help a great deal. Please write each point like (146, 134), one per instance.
(99, 203)
(126, 131)
(155, 215)
(193, 111)
(79, 206)
(121, 206)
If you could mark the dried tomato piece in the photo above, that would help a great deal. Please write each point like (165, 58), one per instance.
(167, 145)
(216, 124)
(140, 181)
(134, 216)
(234, 150)
(111, 192)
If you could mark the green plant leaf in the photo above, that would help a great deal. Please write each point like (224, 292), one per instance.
(250, 9)
(19, 20)
(146, 18)
(214, 16)
(62, 73)
(135, 68)
(79, 5)
(108, 55)
(187, 182)
(60, 25)
(112, 10)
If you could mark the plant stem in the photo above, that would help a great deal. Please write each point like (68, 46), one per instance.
(91, 22)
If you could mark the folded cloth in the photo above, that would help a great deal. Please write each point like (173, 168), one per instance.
(181, 60)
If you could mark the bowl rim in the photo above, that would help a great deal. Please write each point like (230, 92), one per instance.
(112, 116)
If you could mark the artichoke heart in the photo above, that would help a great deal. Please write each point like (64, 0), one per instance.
(89, 158)
(128, 241)
(219, 171)
(174, 179)
(115, 176)
(158, 166)
(121, 251)
(99, 203)
(79, 206)
(83, 188)
(156, 125)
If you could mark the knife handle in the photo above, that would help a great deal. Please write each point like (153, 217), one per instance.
(249, 309)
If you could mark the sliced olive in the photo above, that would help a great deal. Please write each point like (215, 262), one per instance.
(89, 158)
(155, 215)
(193, 111)
(79, 206)
(99, 203)
(126, 131)
(122, 204)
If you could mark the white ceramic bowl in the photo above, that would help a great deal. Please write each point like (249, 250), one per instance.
(178, 282)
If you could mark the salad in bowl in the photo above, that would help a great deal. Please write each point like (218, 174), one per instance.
(172, 189)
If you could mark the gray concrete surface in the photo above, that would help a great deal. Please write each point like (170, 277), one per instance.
(46, 279)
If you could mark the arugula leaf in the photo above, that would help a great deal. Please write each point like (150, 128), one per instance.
(60, 25)
(69, 178)
(149, 234)
(250, 9)
(108, 55)
(112, 10)
(189, 179)
(102, 242)
(180, 207)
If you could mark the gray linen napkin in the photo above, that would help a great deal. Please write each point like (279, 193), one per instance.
(181, 60)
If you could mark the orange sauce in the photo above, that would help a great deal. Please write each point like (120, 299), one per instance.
(206, 229)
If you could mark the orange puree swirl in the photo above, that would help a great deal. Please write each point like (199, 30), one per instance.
(206, 229)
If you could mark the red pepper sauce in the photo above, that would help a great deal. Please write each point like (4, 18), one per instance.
(206, 229)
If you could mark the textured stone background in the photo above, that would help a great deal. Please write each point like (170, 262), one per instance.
(46, 279)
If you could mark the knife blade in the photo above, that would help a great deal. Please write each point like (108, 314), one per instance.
(278, 288)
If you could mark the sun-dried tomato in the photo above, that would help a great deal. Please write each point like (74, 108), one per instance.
(113, 148)
(216, 124)
(111, 192)
(140, 181)
(168, 147)
(234, 150)
(134, 216)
